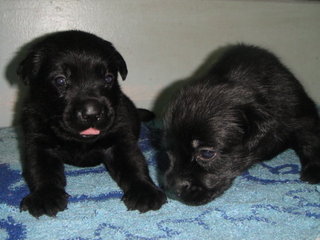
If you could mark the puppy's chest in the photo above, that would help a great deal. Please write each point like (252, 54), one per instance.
(84, 155)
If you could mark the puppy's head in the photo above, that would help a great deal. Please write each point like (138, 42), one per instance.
(73, 83)
(206, 142)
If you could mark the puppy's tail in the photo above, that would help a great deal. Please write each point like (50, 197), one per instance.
(145, 115)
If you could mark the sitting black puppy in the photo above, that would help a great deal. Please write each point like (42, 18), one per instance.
(77, 114)
(249, 108)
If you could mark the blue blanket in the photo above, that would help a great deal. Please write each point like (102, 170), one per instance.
(266, 202)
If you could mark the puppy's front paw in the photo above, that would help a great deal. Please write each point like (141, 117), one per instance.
(45, 202)
(311, 174)
(144, 197)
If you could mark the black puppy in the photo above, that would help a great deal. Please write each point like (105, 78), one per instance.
(249, 108)
(77, 114)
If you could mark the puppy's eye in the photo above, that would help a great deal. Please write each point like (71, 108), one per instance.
(109, 79)
(60, 81)
(206, 154)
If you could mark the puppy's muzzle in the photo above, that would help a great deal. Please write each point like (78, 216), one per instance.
(186, 190)
(176, 186)
(181, 186)
(91, 112)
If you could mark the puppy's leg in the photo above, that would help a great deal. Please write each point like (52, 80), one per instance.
(307, 147)
(128, 168)
(44, 174)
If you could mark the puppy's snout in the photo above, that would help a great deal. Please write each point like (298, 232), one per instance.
(91, 111)
(181, 185)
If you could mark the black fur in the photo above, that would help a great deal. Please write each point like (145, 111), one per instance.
(248, 109)
(73, 84)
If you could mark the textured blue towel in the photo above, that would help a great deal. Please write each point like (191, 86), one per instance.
(266, 202)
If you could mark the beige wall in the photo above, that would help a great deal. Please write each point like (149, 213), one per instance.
(164, 41)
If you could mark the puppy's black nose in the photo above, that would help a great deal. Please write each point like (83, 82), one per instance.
(181, 185)
(91, 111)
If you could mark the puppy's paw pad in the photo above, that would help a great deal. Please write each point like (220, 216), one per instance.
(144, 199)
(45, 202)
(311, 174)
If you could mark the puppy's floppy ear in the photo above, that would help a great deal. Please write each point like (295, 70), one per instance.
(121, 65)
(256, 123)
(251, 119)
(30, 66)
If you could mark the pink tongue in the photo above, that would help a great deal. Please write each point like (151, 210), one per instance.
(90, 131)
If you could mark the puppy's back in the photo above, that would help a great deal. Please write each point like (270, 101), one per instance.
(261, 72)
(244, 75)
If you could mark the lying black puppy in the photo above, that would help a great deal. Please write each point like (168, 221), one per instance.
(77, 114)
(249, 108)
